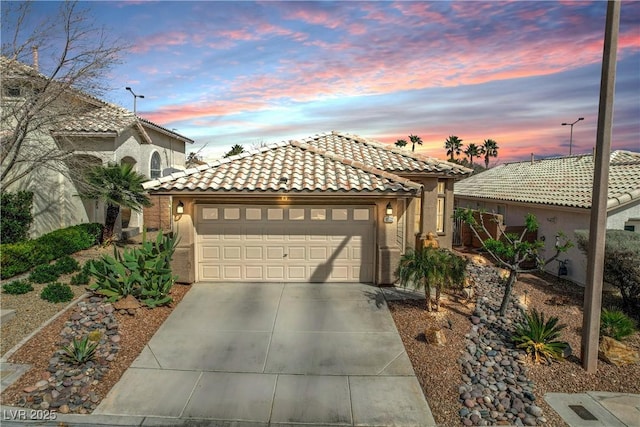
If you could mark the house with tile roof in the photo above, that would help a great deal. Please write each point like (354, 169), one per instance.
(330, 208)
(75, 130)
(558, 192)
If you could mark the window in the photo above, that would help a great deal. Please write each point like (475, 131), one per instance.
(296, 214)
(361, 214)
(155, 165)
(275, 214)
(318, 214)
(441, 206)
(629, 228)
(339, 214)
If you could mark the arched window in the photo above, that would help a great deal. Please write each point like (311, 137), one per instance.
(155, 165)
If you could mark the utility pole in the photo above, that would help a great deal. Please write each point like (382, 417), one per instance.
(598, 223)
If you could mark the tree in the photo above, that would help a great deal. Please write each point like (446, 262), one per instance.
(431, 268)
(621, 264)
(117, 186)
(489, 149)
(193, 159)
(401, 143)
(453, 144)
(236, 149)
(512, 251)
(415, 139)
(38, 100)
(472, 151)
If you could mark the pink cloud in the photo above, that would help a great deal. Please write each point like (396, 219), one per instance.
(160, 41)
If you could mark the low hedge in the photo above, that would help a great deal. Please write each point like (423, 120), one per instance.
(17, 258)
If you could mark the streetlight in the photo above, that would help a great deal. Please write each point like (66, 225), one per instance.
(571, 137)
(135, 97)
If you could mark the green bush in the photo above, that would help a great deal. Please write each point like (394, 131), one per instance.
(44, 273)
(16, 217)
(616, 324)
(84, 276)
(17, 287)
(79, 351)
(57, 292)
(621, 264)
(66, 265)
(539, 338)
(142, 272)
(17, 258)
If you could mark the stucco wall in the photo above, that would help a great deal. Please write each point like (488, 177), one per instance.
(617, 218)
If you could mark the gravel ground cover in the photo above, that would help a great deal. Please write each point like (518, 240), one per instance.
(445, 380)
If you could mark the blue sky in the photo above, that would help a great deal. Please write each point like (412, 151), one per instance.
(226, 73)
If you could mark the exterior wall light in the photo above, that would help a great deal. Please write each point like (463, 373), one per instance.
(389, 209)
(180, 207)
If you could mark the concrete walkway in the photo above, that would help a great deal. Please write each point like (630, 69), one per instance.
(325, 354)
(596, 408)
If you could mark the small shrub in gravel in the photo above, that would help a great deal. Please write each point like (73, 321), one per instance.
(539, 338)
(44, 273)
(616, 324)
(17, 287)
(66, 265)
(79, 351)
(57, 292)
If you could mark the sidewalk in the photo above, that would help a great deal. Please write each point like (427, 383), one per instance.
(596, 408)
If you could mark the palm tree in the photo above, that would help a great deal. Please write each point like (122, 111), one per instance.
(415, 139)
(420, 269)
(472, 151)
(453, 144)
(236, 149)
(117, 186)
(401, 143)
(489, 149)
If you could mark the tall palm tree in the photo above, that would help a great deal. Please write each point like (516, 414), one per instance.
(415, 139)
(472, 151)
(489, 149)
(117, 186)
(401, 143)
(453, 144)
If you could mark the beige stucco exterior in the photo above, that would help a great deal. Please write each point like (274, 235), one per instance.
(391, 238)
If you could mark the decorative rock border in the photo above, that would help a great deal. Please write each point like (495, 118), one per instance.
(68, 388)
(496, 390)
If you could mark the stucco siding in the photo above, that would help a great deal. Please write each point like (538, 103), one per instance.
(619, 217)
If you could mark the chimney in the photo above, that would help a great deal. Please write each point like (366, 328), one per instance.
(36, 65)
(531, 158)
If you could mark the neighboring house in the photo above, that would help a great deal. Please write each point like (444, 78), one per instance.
(86, 132)
(330, 208)
(558, 192)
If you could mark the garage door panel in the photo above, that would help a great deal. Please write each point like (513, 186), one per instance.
(210, 253)
(253, 253)
(263, 245)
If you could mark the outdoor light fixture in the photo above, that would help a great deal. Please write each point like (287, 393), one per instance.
(389, 210)
(571, 137)
(180, 207)
(135, 97)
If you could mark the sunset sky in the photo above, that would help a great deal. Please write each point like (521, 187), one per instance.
(226, 73)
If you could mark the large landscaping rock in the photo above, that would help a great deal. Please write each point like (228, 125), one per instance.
(435, 336)
(617, 353)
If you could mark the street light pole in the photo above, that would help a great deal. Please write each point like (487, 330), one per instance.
(571, 137)
(135, 97)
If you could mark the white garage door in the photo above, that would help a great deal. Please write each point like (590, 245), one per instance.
(285, 244)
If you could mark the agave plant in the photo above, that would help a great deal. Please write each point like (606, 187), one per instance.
(79, 351)
(539, 338)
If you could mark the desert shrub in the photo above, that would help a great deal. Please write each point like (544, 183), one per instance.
(57, 292)
(79, 351)
(17, 287)
(616, 324)
(539, 338)
(16, 258)
(143, 272)
(66, 265)
(621, 264)
(84, 276)
(44, 273)
(16, 217)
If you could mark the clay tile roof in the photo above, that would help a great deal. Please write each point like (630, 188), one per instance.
(562, 181)
(288, 166)
(384, 156)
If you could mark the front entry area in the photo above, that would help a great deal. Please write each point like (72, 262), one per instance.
(297, 243)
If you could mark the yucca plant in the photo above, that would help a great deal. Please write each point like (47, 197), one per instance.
(539, 338)
(616, 324)
(79, 351)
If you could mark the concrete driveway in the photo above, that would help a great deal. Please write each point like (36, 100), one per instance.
(270, 354)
